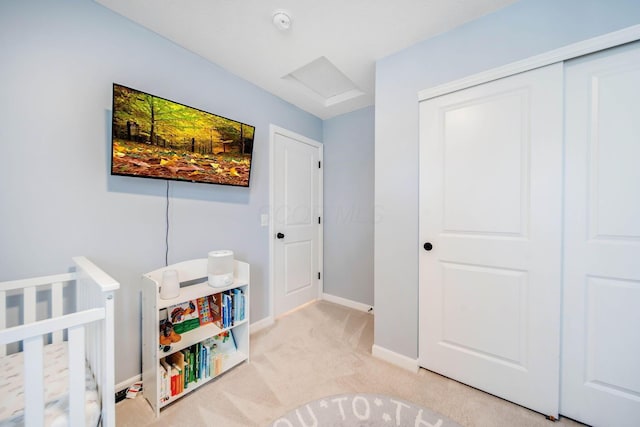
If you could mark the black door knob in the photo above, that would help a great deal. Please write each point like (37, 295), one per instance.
(428, 246)
(280, 236)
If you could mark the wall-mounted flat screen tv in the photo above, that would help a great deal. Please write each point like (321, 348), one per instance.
(153, 137)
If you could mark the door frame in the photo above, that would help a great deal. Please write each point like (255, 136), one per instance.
(273, 131)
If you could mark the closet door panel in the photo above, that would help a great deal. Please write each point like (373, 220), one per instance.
(490, 205)
(614, 153)
(601, 301)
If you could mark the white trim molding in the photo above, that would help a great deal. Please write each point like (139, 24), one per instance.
(574, 50)
(128, 383)
(348, 303)
(394, 358)
(261, 324)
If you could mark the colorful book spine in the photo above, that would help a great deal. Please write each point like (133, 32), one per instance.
(178, 360)
(215, 305)
(203, 368)
(177, 386)
(207, 365)
(196, 362)
(240, 304)
(204, 311)
(166, 378)
(225, 310)
(236, 304)
(162, 377)
(187, 367)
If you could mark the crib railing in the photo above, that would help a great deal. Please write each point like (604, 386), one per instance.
(32, 337)
(29, 288)
(101, 344)
(90, 335)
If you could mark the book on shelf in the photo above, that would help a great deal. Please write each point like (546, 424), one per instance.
(184, 316)
(165, 386)
(204, 366)
(227, 307)
(226, 313)
(195, 361)
(177, 359)
(182, 368)
(175, 380)
(162, 379)
(204, 311)
(220, 347)
(188, 366)
(238, 304)
(192, 362)
(215, 305)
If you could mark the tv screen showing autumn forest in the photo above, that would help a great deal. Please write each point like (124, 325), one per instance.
(156, 138)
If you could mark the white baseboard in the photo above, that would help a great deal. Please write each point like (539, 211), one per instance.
(127, 383)
(395, 358)
(261, 324)
(348, 303)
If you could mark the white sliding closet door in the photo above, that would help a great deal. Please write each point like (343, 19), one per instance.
(601, 309)
(490, 206)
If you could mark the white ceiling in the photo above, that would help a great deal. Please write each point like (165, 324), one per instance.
(351, 35)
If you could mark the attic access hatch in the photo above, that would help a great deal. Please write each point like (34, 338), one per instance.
(325, 82)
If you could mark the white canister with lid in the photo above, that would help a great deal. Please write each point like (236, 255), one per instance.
(220, 268)
(170, 285)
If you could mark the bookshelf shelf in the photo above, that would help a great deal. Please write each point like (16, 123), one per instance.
(195, 336)
(199, 341)
(232, 361)
(195, 291)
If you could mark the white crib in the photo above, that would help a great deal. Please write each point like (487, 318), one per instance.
(87, 335)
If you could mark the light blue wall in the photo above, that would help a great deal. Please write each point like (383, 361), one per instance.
(521, 30)
(58, 60)
(348, 206)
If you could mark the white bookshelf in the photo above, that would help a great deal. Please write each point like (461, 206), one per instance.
(193, 277)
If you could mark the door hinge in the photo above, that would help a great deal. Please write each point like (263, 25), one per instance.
(318, 275)
(319, 164)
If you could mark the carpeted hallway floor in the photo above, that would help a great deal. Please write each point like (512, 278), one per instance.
(322, 350)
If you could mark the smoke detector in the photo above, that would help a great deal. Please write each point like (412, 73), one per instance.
(281, 20)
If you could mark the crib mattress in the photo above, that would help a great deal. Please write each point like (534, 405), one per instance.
(56, 383)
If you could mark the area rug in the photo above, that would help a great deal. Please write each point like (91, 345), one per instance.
(362, 410)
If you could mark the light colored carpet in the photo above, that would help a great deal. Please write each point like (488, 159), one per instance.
(322, 350)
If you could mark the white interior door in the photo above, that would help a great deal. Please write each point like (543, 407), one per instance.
(601, 301)
(296, 211)
(490, 205)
